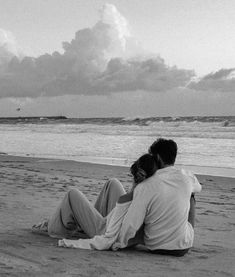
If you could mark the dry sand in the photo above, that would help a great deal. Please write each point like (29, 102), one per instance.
(31, 188)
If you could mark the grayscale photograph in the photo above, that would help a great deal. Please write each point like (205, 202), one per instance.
(117, 138)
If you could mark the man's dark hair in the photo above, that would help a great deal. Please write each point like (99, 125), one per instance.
(165, 148)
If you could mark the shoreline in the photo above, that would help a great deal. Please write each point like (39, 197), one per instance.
(196, 169)
(31, 188)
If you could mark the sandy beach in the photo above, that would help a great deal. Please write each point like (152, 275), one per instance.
(31, 188)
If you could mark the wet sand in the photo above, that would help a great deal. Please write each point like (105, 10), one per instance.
(31, 188)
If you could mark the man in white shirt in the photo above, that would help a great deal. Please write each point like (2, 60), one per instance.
(164, 204)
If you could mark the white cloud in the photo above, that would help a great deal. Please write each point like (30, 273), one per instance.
(99, 60)
(8, 47)
(104, 66)
(222, 81)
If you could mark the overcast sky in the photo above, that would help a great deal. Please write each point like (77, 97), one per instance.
(132, 57)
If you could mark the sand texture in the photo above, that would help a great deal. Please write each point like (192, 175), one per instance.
(31, 188)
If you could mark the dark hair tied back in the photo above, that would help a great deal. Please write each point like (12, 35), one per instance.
(143, 168)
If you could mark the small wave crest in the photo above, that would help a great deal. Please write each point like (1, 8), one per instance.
(223, 121)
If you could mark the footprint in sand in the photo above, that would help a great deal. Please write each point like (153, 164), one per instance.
(55, 259)
(10, 261)
(203, 257)
(210, 249)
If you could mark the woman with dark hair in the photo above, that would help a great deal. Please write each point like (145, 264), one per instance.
(141, 169)
(102, 222)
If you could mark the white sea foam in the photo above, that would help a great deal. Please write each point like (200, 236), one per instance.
(207, 144)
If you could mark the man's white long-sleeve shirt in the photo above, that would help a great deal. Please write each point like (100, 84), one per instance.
(162, 203)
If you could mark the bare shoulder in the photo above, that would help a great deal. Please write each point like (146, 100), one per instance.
(126, 197)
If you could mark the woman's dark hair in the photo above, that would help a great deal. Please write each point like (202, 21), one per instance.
(143, 168)
(166, 149)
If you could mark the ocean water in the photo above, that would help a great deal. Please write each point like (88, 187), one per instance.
(206, 144)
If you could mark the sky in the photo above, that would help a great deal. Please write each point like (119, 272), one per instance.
(130, 57)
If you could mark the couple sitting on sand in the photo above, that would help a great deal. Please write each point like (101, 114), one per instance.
(158, 212)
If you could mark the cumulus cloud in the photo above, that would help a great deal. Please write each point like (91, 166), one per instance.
(150, 74)
(99, 60)
(222, 81)
(8, 47)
